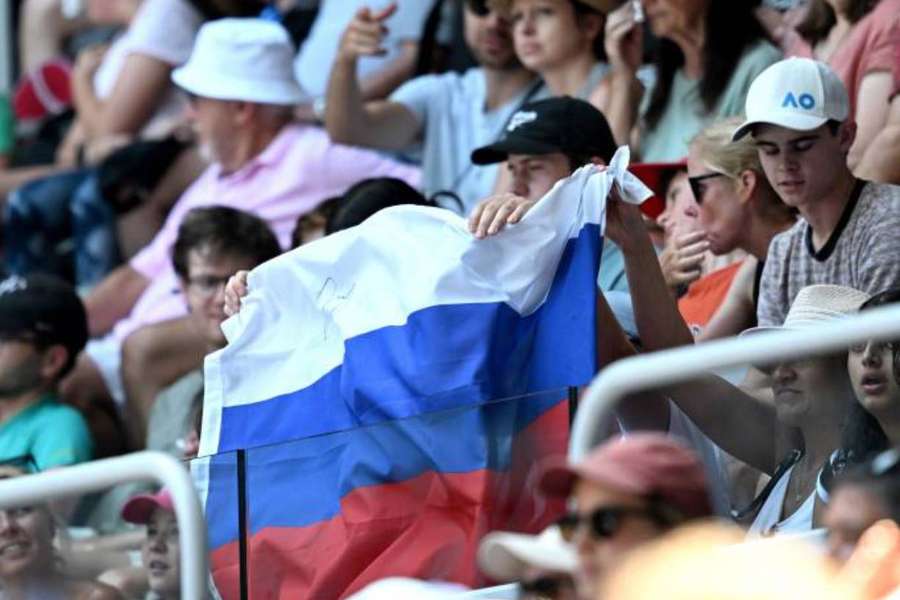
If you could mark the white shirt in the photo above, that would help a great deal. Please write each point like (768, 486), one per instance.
(768, 521)
(161, 29)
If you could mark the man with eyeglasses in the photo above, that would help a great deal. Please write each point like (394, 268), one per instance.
(626, 492)
(43, 327)
(799, 115)
(451, 114)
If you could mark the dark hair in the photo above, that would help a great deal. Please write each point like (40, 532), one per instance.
(881, 299)
(731, 27)
(884, 485)
(583, 10)
(225, 231)
(369, 196)
(820, 18)
(318, 217)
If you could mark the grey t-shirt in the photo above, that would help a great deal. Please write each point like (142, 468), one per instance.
(451, 110)
(862, 253)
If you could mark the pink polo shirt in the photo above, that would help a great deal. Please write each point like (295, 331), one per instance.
(296, 172)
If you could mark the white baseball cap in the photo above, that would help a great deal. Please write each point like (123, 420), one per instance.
(249, 60)
(504, 556)
(796, 93)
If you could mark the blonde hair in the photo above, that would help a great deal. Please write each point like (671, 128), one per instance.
(715, 148)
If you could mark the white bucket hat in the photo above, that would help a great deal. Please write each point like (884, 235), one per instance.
(796, 93)
(504, 556)
(249, 60)
(817, 304)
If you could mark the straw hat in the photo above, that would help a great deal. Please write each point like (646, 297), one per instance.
(817, 304)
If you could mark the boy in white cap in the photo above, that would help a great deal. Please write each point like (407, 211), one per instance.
(849, 233)
(241, 84)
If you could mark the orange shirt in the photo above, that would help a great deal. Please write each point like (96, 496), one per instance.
(705, 295)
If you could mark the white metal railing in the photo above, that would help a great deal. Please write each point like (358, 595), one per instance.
(678, 365)
(140, 466)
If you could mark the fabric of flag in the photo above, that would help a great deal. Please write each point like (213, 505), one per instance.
(394, 385)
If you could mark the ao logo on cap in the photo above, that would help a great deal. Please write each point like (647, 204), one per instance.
(802, 101)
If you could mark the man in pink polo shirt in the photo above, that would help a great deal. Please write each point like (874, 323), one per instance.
(240, 81)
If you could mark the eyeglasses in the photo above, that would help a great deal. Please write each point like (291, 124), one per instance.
(877, 347)
(696, 188)
(605, 522)
(208, 285)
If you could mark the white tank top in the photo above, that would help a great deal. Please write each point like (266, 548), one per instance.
(767, 519)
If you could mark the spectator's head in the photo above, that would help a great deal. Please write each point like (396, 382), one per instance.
(214, 243)
(160, 551)
(241, 83)
(541, 564)
(27, 535)
(874, 369)
(550, 34)
(369, 196)
(861, 497)
(43, 328)
(311, 226)
(724, 29)
(488, 36)
(730, 189)
(798, 114)
(627, 491)
(817, 389)
(669, 182)
(548, 140)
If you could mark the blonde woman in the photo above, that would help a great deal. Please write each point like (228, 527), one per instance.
(29, 560)
(738, 210)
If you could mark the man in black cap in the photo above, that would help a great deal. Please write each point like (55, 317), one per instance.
(43, 327)
(545, 141)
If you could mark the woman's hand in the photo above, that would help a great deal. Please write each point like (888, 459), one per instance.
(624, 39)
(682, 259)
(235, 289)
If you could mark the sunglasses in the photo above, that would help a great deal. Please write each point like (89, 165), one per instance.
(697, 189)
(543, 587)
(605, 522)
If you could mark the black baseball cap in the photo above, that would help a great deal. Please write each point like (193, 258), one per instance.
(560, 124)
(44, 309)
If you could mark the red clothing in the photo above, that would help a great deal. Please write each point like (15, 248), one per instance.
(705, 295)
(871, 46)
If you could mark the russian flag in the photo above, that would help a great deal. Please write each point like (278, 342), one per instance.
(394, 385)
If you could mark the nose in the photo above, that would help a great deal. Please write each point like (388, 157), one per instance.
(872, 354)
(784, 373)
(7, 523)
(520, 183)
(157, 543)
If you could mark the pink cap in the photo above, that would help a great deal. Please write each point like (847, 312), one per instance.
(644, 464)
(139, 509)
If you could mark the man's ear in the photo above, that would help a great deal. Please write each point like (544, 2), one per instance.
(847, 134)
(53, 360)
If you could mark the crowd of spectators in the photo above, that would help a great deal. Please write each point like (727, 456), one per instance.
(155, 151)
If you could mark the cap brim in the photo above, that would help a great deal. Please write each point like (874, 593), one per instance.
(504, 556)
(500, 151)
(788, 120)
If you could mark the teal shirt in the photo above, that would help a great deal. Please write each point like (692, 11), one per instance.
(685, 115)
(7, 126)
(54, 434)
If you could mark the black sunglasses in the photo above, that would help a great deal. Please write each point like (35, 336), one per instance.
(543, 587)
(605, 522)
(694, 182)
